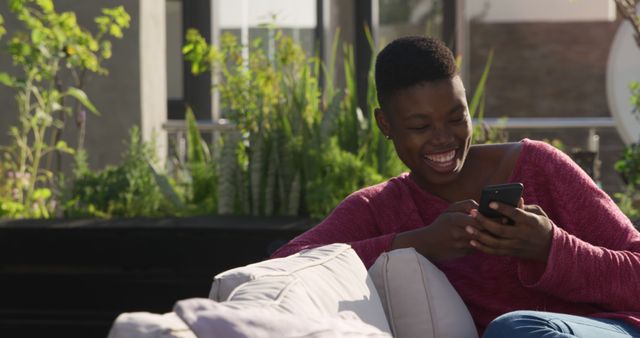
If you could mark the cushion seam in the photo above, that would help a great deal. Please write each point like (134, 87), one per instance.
(253, 276)
(277, 299)
(426, 290)
(385, 282)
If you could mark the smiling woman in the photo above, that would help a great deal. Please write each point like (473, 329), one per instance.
(565, 229)
(432, 110)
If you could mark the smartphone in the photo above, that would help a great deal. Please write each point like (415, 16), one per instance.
(509, 193)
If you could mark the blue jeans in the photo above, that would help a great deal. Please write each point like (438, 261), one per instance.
(548, 324)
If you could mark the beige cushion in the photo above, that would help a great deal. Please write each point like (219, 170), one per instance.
(209, 319)
(149, 325)
(418, 299)
(319, 282)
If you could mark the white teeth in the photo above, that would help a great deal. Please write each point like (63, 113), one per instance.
(442, 157)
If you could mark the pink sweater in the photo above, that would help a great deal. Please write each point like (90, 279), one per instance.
(594, 263)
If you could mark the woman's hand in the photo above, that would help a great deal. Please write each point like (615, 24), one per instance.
(529, 237)
(446, 237)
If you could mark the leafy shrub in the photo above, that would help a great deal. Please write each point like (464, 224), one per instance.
(288, 126)
(629, 165)
(629, 168)
(52, 56)
(196, 177)
(127, 190)
(340, 173)
(629, 202)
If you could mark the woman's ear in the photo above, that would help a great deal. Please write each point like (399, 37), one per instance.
(383, 123)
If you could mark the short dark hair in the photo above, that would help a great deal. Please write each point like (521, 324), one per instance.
(411, 60)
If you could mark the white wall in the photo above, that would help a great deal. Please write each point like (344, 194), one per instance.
(289, 13)
(175, 87)
(623, 67)
(153, 75)
(540, 10)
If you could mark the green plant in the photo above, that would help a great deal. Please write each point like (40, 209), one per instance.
(299, 148)
(254, 94)
(339, 174)
(8, 207)
(629, 168)
(277, 161)
(196, 180)
(556, 142)
(53, 48)
(138, 187)
(629, 165)
(3, 31)
(371, 146)
(482, 132)
(128, 190)
(629, 202)
(635, 97)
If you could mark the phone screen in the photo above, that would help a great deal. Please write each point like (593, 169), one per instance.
(509, 193)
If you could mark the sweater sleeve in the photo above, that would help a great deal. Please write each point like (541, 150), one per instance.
(352, 222)
(595, 250)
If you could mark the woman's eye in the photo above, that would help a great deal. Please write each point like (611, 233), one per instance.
(458, 120)
(422, 127)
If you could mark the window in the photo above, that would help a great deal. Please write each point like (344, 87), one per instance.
(410, 17)
(247, 19)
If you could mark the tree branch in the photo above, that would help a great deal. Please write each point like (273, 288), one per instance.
(627, 9)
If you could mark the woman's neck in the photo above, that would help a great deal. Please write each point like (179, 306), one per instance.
(486, 164)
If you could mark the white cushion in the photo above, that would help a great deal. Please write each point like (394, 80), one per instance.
(209, 319)
(318, 282)
(418, 299)
(149, 325)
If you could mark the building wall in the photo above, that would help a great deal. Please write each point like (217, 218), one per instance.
(540, 10)
(549, 70)
(117, 96)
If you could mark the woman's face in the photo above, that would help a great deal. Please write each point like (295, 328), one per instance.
(430, 127)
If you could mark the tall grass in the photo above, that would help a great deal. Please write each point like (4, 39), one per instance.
(299, 149)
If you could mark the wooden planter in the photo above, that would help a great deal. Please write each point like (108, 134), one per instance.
(73, 277)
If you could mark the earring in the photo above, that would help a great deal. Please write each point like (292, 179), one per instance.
(387, 137)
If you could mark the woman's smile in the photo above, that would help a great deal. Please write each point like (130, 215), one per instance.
(442, 162)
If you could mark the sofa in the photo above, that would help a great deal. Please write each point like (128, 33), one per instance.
(320, 292)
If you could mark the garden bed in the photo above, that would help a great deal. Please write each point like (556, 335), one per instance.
(75, 276)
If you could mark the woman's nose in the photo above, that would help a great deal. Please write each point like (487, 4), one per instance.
(442, 135)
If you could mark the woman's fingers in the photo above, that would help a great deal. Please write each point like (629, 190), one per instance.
(536, 209)
(518, 215)
(493, 250)
(463, 206)
(491, 226)
(529, 237)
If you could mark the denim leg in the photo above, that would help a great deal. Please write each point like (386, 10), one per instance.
(530, 324)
